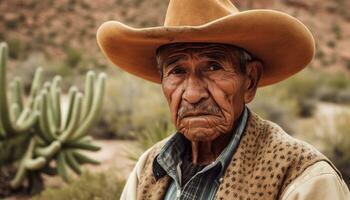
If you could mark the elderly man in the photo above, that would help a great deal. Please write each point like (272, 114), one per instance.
(210, 59)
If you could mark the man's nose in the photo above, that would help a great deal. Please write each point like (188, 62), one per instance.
(195, 90)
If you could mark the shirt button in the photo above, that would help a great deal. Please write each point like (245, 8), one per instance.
(178, 194)
(221, 179)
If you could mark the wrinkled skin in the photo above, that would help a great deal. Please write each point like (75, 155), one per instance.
(206, 92)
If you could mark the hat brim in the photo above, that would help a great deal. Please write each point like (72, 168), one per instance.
(281, 41)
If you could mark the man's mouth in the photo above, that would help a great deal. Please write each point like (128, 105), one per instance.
(198, 114)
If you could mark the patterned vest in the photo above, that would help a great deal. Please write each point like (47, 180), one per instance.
(266, 161)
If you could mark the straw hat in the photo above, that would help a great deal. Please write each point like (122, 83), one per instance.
(281, 41)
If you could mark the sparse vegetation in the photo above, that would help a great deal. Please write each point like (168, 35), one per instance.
(319, 53)
(16, 48)
(337, 31)
(332, 135)
(73, 57)
(331, 44)
(348, 64)
(148, 137)
(11, 24)
(107, 185)
(297, 96)
(132, 108)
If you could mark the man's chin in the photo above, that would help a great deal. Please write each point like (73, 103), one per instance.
(201, 135)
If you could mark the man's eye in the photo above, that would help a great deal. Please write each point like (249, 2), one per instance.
(214, 67)
(177, 70)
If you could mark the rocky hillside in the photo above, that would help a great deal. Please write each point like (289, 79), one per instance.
(65, 29)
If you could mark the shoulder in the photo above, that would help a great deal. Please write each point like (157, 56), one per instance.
(143, 166)
(298, 157)
(282, 144)
(318, 181)
(274, 143)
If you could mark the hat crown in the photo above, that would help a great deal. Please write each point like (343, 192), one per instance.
(197, 12)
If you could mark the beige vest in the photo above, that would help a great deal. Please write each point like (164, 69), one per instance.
(265, 162)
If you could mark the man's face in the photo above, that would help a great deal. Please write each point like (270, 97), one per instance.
(205, 88)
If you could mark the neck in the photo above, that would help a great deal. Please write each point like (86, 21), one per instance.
(204, 153)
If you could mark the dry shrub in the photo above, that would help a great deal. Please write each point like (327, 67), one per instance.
(132, 105)
(148, 137)
(330, 131)
(105, 185)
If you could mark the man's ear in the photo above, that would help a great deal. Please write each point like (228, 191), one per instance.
(254, 71)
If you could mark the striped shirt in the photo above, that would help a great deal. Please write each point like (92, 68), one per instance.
(205, 181)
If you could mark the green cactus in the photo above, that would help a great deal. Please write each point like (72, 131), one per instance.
(36, 135)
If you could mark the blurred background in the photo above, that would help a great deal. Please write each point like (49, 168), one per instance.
(59, 35)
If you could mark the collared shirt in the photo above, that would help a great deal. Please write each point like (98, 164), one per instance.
(204, 184)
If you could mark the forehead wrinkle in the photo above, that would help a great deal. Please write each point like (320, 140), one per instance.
(212, 51)
(181, 54)
(215, 55)
(173, 58)
(195, 47)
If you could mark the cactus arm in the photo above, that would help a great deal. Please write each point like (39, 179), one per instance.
(27, 161)
(95, 108)
(47, 86)
(72, 162)
(88, 94)
(4, 112)
(2, 131)
(82, 159)
(35, 163)
(37, 81)
(18, 93)
(24, 114)
(34, 90)
(61, 166)
(51, 121)
(73, 123)
(19, 177)
(37, 103)
(55, 97)
(56, 109)
(50, 124)
(71, 96)
(14, 113)
(83, 145)
(43, 118)
(87, 139)
(37, 106)
(28, 123)
(48, 151)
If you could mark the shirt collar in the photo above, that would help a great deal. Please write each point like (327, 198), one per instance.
(226, 155)
(172, 152)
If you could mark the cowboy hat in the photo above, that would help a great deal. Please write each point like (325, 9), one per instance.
(280, 41)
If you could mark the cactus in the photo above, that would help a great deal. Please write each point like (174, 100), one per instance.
(36, 135)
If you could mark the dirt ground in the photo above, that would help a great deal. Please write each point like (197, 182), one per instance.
(113, 154)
